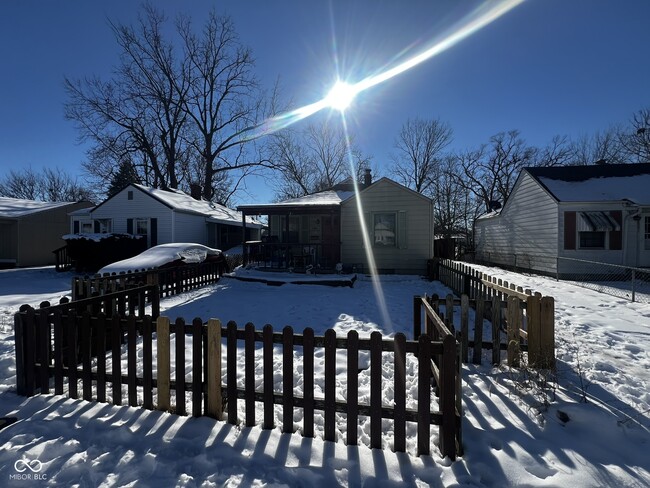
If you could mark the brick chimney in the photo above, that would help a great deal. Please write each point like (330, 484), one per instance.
(367, 178)
(195, 191)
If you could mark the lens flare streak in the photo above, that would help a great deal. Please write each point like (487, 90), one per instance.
(342, 95)
(478, 19)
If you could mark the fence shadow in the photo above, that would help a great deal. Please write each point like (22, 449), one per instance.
(583, 443)
(91, 443)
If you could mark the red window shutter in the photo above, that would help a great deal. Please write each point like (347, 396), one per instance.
(569, 230)
(616, 236)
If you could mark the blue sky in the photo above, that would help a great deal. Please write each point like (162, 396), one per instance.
(567, 67)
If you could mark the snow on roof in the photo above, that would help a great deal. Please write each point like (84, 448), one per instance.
(81, 212)
(179, 200)
(162, 254)
(11, 208)
(327, 197)
(633, 188)
(490, 214)
(596, 182)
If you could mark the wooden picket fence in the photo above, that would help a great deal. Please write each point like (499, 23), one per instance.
(62, 331)
(57, 334)
(170, 281)
(527, 317)
(517, 326)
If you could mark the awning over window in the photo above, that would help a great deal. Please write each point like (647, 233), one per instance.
(598, 221)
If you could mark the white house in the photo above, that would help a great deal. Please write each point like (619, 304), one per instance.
(556, 215)
(324, 228)
(165, 216)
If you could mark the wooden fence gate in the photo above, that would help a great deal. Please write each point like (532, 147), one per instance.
(526, 317)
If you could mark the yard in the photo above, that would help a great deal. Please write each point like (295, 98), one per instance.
(510, 436)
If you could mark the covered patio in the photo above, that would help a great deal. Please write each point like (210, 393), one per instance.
(303, 234)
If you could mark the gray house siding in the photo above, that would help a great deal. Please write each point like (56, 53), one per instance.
(190, 228)
(413, 215)
(30, 240)
(524, 231)
(8, 242)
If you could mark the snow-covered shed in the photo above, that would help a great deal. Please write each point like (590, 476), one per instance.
(165, 216)
(31, 230)
(557, 214)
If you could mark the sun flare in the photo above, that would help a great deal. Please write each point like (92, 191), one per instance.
(341, 95)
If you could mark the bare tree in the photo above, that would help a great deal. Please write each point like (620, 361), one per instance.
(490, 172)
(175, 106)
(223, 98)
(454, 206)
(559, 152)
(314, 159)
(23, 184)
(601, 147)
(420, 146)
(134, 116)
(52, 185)
(634, 138)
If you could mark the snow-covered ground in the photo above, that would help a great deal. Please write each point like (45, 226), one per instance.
(515, 433)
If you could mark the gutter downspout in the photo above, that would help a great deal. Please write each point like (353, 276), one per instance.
(173, 225)
(635, 215)
(18, 243)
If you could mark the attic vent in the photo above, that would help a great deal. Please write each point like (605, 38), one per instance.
(129, 195)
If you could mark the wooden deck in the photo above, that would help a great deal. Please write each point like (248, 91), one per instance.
(277, 278)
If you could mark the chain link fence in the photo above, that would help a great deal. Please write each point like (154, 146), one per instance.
(620, 281)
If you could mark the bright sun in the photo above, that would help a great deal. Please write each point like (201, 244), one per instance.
(341, 95)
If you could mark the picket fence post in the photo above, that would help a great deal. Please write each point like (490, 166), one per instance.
(163, 367)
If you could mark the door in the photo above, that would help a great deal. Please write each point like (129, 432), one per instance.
(331, 232)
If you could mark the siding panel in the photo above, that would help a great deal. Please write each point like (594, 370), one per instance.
(527, 227)
(416, 231)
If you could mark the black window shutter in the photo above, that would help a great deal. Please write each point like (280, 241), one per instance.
(96, 226)
(75, 227)
(569, 230)
(129, 226)
(154, 232)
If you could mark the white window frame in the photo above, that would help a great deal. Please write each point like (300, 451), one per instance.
(380, 241)
(105, 226)
(136, 227)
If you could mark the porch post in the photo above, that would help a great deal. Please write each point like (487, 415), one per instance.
(243, 238)
(286, 240)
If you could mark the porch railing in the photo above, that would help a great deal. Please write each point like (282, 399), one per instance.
(63, 260)
(283, 255)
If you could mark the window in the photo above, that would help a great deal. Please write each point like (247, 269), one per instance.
(105, 226)
(384, 228)
(129, 195)
(646, 233)
(592, 240)
(141, 227)
(86, 227)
